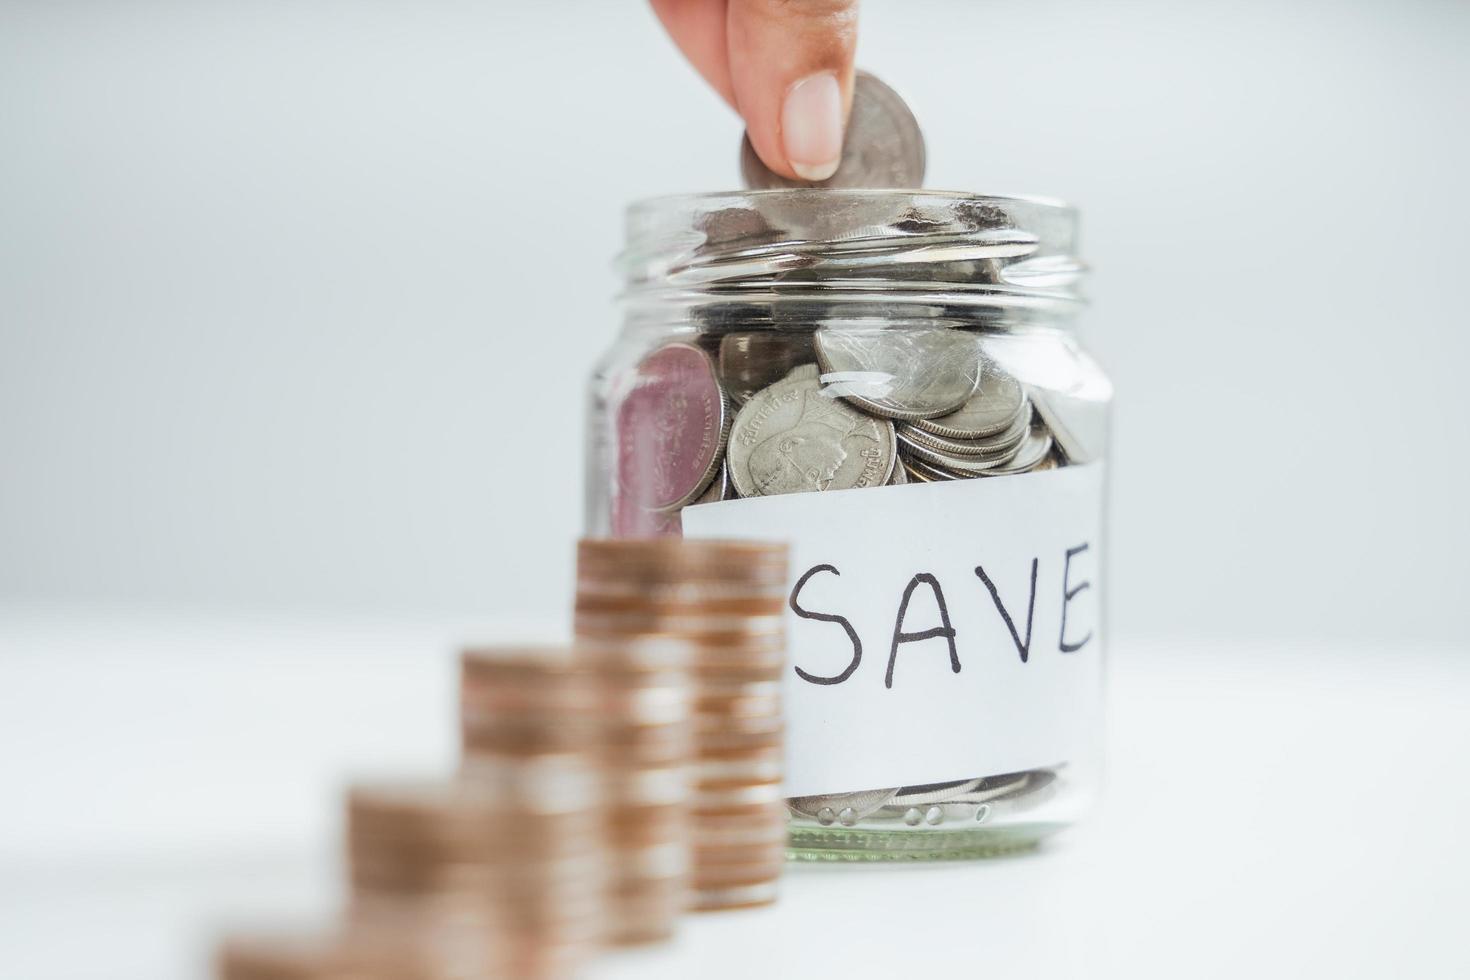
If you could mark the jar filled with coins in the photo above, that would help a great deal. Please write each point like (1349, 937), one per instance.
(890, 381)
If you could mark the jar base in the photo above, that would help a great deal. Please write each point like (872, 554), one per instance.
(816, 844)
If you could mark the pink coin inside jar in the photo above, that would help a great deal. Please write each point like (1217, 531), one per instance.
(671, 431)
(631, 520)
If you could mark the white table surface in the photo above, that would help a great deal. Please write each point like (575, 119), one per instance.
(1275, 809)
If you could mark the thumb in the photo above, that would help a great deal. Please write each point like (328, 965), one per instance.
(791, 72)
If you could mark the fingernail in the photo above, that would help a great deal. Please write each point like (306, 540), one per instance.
(811, 126)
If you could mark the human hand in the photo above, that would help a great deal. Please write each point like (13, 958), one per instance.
(784, 65)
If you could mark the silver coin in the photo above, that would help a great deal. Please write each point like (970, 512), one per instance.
(994, 406)
(937, 793)
(719, 489)
(791, 438)
(1003, 443)
(862, 804)
(949, 466)
(804, 372)
(899, 478)
(1031, 453)
(920, 472)
(883, 146)
(750, 361)
(900, 373)
(1068, 443)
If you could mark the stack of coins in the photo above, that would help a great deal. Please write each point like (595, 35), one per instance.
(712, 608)
(424, 865)
(739, 818)
(644, 738)
(526, 720)
(291, 957)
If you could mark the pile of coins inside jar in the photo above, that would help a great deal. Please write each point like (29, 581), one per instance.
(874, 407)
(605, 788)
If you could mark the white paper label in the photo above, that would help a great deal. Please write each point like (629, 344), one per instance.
(937, 631)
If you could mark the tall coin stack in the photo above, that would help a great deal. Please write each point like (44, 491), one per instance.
(644, 739)
(424, 864)
(712, 608)
(526, 716)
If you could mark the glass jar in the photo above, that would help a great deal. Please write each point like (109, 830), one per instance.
(890, 381)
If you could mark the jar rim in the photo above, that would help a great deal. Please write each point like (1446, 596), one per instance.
(840, 194)
(853, 245)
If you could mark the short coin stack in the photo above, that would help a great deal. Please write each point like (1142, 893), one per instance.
(714, 608)
(424, 863)
(525, 719)
(292, 957)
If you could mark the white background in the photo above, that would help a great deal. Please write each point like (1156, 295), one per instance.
(296, 303)
(297, 299)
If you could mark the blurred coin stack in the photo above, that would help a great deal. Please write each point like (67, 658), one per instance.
(424, 863)
(526, 723)
(644, 737)
(291, 957)
(708, 612)
(739, 817)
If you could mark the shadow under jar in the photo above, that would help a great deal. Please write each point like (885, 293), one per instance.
(889, 381)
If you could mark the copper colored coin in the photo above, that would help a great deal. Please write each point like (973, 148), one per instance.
(642, 926)
(768, 851)
(628, 654)
(729, 726)
(766, 765)
(722, 741)
(736, 896)
(667, 859)
(676, 593)
(519, 740)
(645, 786)
(293, 957)
(739, 833)
(618, 734)
(644, 705)
(671, 428)
(770, 671)
(760, 705)
(694, 625)
(646, 753)
(639, 914)
(539, 786)
(722, 705)
(528, 702)
(737, 874)
(730, 664)
(734, 797)
(711, 819)
(557, 959)
(612, 560)
(646, 826)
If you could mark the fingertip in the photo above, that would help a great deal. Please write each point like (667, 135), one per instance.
(791, 67)
(812, 126)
